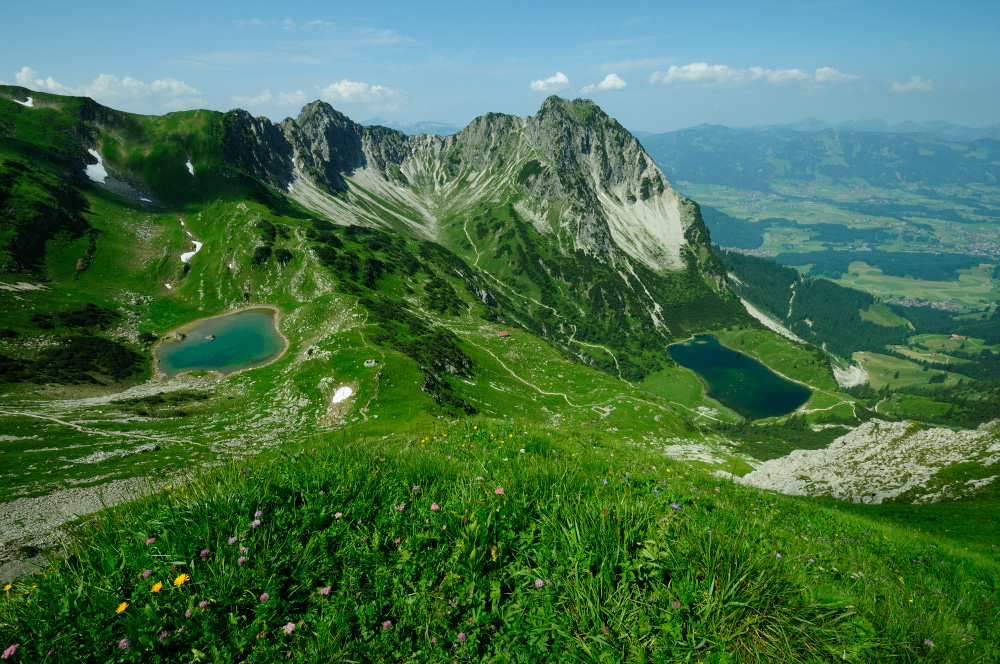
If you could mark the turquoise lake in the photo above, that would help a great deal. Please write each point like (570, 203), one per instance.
(241, 341)
(738, 381)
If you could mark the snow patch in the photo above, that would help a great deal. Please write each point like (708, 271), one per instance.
(96, 172)
(342, 393)
(29, 102)
(185, 257)
(145, 200)
(168, 286)
(190, 166)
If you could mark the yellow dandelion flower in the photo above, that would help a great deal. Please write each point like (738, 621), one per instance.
(181, 580)
(170, 486)
(121, 607)
(7, 587)
(156, 587)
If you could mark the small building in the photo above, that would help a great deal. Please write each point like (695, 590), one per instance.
(957, 337)
(503, 333)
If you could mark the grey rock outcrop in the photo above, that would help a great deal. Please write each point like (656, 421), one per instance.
(258, 147)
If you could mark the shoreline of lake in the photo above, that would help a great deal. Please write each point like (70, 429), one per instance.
(274, 312)
(754, 392)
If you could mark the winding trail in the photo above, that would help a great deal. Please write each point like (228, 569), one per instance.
(598, 407)
(118, 434)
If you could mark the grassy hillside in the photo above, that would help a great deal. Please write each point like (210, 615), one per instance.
(488, 541)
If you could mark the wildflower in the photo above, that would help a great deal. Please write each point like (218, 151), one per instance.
(156, 587)
(364, 540)
(231, 541)
(398, 540)
(416, 487)
(7, 587)
(387, 624)
(675, 604)
(522, 450)
(150, 541)
(448, 458)
(322, 493)
(188, 613)
(539, 583)
(9, 652)
(288, 628)
(717, 489)
(675, 506)
(255, 523)
(258, 514)
(325, 590)
(203, 554)
(241, 560)
(164, 634)
(243, 550)
(779, 555)
(811, 560)
(181, 580)
(928, 643)
(338, 515)
(121, 607)
(461, 637)
(264, 597)
(124, 644)
(604, 482)
(498, 491)
(203, 604)
(434, 640)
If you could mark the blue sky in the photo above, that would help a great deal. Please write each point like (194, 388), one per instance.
(656, 66)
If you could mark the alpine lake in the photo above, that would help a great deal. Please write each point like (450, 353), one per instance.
(738, 381)
(226, 344)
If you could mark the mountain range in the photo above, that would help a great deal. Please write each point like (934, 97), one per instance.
(395, 261)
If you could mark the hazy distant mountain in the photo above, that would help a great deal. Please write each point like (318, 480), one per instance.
(415, 128)
(944, 130)
(854, 153)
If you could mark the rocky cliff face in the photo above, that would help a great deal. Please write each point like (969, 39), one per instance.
(573, 170)
(258, 147)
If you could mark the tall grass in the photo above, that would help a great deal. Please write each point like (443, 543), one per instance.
(458, 546)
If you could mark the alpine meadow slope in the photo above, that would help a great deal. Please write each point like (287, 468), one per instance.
(475, 444)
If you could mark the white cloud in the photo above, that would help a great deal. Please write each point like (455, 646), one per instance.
(722, 76)
(266, 97)
(551, 84)
(915, 84)
(109, 89)
(831, 75)
(610, 82)
(353, 92)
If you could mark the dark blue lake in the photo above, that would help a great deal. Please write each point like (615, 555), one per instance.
(225, 344)
(738, 381)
